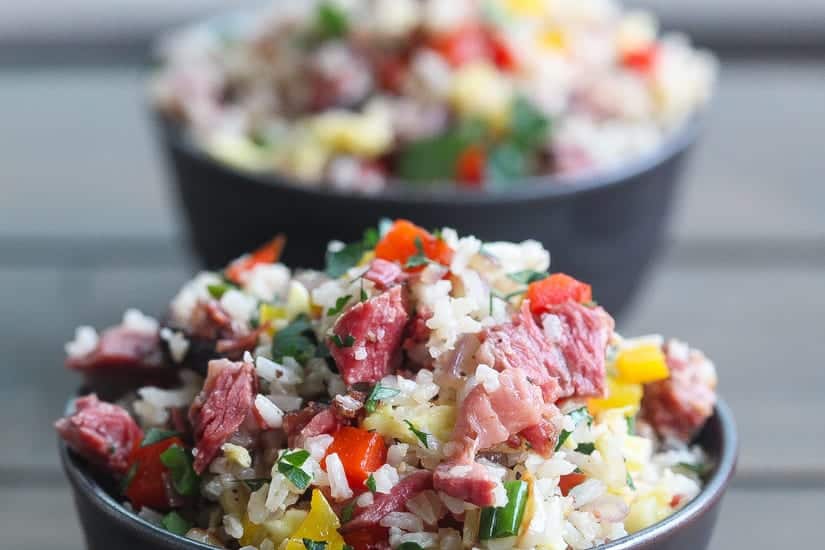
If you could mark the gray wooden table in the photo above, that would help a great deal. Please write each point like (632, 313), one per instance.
(86, 228)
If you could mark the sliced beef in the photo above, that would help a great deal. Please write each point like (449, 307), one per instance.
(368, 336)
(348, 406)
(394, 501)
(521, 344)
(568, 363)
(314, 419)
(101, 432)
(222, 406)
(680, 405)
(543, 436)
(384, 274)
(234, 347)
(121, 347)
(585, 333)
(470, 481)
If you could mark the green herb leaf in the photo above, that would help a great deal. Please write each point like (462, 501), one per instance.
(295, 340)
(630, 482)
(341, 261)
(528, 276)
(409, 546)
(419, 258)
(155, 435)
(370, 483)
(422, 436)
(310, 544)
(339, 305)
(578, 415)
(331, 22)
(585, 448)
(130, 475)
(364, 296)
(218, 290)
(346, 342)
(371, 237)
(699, 469)
(290, 466)
(631, 425)
(528, 126)
(435, 159)
(174, 523)
(379, 393)
(346, 511)
(179, 463)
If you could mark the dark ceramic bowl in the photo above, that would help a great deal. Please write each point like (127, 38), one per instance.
(108, 525)
(604, 228)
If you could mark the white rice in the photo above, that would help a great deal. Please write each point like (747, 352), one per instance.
(85, 341)
(177, 342)
(339, 487)
(269, 411)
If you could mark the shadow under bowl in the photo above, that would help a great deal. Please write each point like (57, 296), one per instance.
(106, 524)
(602, 228)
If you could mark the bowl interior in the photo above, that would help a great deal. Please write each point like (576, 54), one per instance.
(718, 438)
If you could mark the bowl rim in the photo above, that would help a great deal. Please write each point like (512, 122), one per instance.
(708, 497)
(530, 188)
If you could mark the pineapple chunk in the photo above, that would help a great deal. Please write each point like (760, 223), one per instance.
(641, 364)
(435, 420)
(619, 394)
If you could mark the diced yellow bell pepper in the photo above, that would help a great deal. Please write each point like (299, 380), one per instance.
(619, 394)
(297, 300)
(528, 8)
(553, 39)
(253, 534)
(320, 525)
(641, 364)
(280, 529)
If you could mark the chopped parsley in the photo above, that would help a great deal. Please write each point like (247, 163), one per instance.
(179, 462)
(578, 415)
(130, 475)
(370, 483)
(340, 261)
(422, 436)
(585, 448)
(290, 466)
(174, 523)
(331, 21)
(295, 340)
(310, 544)
(155, 435)
(218, 290)
(419, 258)
(528, 276)
(339, 305)
(630, 482)
(379, 393)
(346, 511)
(345, 342)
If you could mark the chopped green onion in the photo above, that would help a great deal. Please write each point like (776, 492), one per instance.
(379, 393)
(497, 523)
(422, 436)
(339, 305)
(155, 435)
(174, 523)
(370, 483)
(345, 342)
(179, 463)
(528, 276)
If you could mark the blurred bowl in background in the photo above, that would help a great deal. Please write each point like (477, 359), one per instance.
(602, 228)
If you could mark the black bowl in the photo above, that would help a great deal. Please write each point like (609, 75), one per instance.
(106, 524)
(603, 228)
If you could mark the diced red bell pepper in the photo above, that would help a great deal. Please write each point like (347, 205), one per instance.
(470, 168)
(568, 481)
(361, 452)
(503, 56)
(368, 538)
(642, 60)
(462, 45)
(401, 242)
(148, 487)
(267, 254)
(557, 289)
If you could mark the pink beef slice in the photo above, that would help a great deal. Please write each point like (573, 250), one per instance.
(376, 327)
(221, 408)
(571, 364)
(680, 405)
(467, 481)
(121, 347)
(394, 501)
(102, 433)
(314, 419)
(384, 274)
